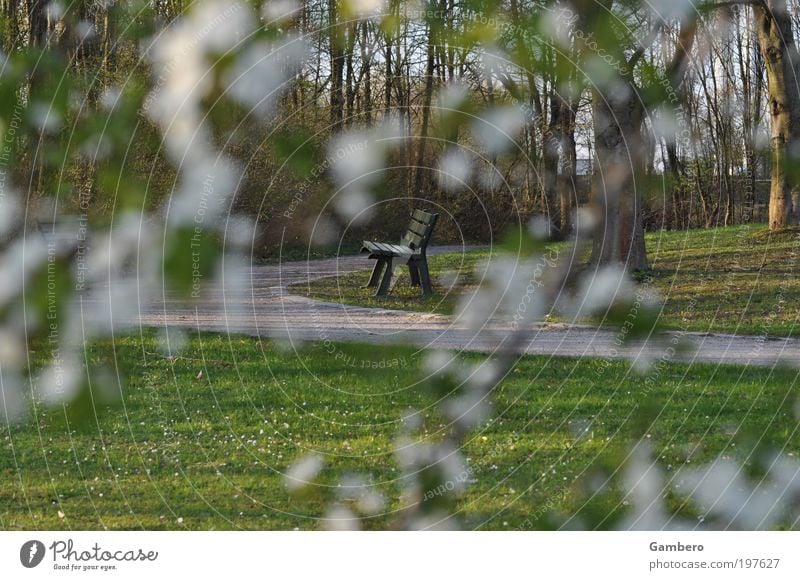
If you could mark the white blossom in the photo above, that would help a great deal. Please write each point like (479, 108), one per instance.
(303, 471)
(455, 168)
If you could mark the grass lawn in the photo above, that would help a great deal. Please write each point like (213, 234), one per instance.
(201, 440)
(738, 279)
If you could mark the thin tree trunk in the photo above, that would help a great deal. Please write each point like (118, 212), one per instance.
(426, 113)
(337, 67)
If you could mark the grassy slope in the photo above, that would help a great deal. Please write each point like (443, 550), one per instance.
(741, 278)
(210, 449)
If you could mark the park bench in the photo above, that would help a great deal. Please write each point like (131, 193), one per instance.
(410, 251)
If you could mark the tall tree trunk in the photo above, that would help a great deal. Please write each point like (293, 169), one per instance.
(337, 66)
(774, 29)
(568, 186)
(426, 113)
(617, 195)
(350, 92)
(366, 63)
(550, 159)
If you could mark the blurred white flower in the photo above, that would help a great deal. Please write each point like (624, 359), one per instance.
(219, 25)
(360, 8)
(340, 519)
(599, 292)
(645, 488)
(556, 24)
(18, 262)
(280, 10)
(13, 406)
(10, 212)
(355, 155)
(666, 124)
(723, 490)
(455, 168)
(437, 363)
(467, 410)
(540, 227)
(453, 95)
(85, 30)
(45, 118)
(54, 10)
(303, 471)
(353, 205)
(260, 71)
(60, 380)
(497, 130)
(171, 341)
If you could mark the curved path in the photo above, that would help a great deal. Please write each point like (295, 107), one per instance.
(259, 304)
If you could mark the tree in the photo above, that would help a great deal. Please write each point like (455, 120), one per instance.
(776, 42)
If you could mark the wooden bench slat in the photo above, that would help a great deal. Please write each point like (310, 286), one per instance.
(419, 228)
(422, 216)
(414, 240)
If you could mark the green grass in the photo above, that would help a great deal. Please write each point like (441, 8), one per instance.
(300, 252)
(738, 279)
(202, 439)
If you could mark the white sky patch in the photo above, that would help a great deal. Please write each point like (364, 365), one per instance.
(669, 9)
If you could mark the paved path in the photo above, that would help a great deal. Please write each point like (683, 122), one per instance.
(261, 306)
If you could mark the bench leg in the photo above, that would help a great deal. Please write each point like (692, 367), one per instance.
(395, 276)
(377, 270)
(413, 271)
(383, 289)
(425, 277)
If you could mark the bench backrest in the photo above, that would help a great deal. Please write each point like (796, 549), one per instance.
(420, 229)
